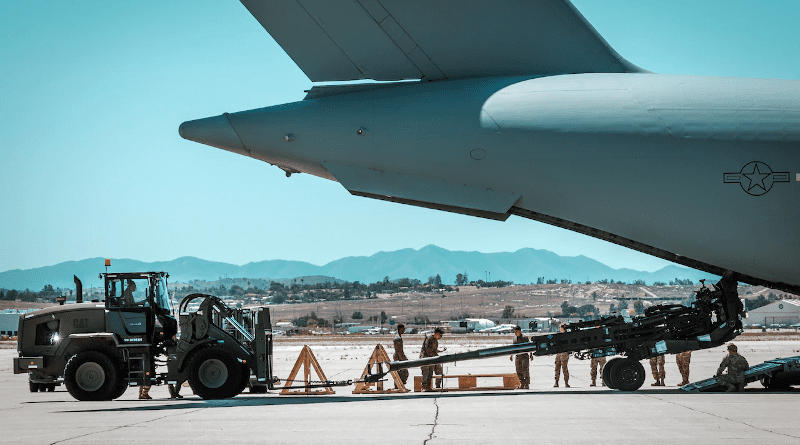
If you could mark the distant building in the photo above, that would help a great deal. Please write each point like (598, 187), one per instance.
(778, 312)
(467, 325)
(359, 329)
(9, 321)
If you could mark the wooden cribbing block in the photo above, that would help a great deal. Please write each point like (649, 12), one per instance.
(469, 382)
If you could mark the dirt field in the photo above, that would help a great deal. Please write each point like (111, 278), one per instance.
(528, 301)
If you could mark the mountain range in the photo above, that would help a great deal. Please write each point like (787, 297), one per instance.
(522, 267)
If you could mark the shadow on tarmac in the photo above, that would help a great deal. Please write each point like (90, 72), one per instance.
(275, 399)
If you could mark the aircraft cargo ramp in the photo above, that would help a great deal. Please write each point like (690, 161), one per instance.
(779, 373)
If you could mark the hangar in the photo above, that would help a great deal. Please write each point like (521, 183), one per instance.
(778, 312)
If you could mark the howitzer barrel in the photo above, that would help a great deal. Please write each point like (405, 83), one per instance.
(497, 351)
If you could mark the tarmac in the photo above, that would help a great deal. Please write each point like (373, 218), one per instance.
(541, 415)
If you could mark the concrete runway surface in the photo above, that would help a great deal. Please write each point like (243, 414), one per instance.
(541, 415)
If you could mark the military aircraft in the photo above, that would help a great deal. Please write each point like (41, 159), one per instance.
(494, 109)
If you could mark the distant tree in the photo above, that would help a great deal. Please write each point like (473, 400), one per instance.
(384, 317)
(552, 281)
(279, 298)
(567, 309)
(612, 308)
(508, 312)
(640, 283)
(276, 287)
(659, 283)
(540, 280)
(12, 295)
(603, 281)
(594, 296)
(461, 279)
(638, 306)
(48, 290)
(2, 295)
(587, 311)
(623, 305)
(357, 315)
(386, 279)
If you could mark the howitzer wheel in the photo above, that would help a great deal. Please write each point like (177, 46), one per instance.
(214, 374)
(606, 375)
(627, 374)
(90, 375)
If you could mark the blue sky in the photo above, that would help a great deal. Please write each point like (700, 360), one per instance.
(91, 164)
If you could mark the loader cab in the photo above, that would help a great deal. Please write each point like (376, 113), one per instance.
(138, 307)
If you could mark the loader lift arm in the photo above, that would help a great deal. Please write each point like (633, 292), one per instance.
(713, 319)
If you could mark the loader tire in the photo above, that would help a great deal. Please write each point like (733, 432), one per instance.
(122, 386)
(245, 378)
(90, 375)
(215, 374)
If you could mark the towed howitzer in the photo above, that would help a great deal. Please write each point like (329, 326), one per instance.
(715, 317)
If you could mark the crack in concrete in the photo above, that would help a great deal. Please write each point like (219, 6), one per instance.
(126, 426)
(435, 420)
(721, 417)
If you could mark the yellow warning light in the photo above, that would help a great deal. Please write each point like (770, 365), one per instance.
(244, 361)
(108, 262)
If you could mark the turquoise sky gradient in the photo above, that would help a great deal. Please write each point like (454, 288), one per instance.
(91, 164)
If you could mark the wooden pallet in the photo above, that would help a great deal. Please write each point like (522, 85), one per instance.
(379, 359)
(307, 361)
(469, 382)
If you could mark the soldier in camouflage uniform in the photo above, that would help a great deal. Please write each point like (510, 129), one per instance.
(737, 365)
(561, 363)
(683, 359)
(593, 373)
(521, 361)
(657, 366)
(399, 354)
(430, 348)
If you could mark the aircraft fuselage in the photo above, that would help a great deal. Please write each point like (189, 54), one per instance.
(702, 171)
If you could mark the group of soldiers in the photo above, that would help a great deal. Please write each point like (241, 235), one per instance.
(733, 362)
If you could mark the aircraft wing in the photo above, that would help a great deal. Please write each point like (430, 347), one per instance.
(340, 40)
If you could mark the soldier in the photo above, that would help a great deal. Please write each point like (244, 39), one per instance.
(657, 366)
(683, 359)
(399, 354)
(430, 348)
(737, 365)
(593, 373)
(521, 360)
(127, 294)
(561, 363)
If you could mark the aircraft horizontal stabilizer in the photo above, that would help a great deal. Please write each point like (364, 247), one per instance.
(435, 39)
(424, 192)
